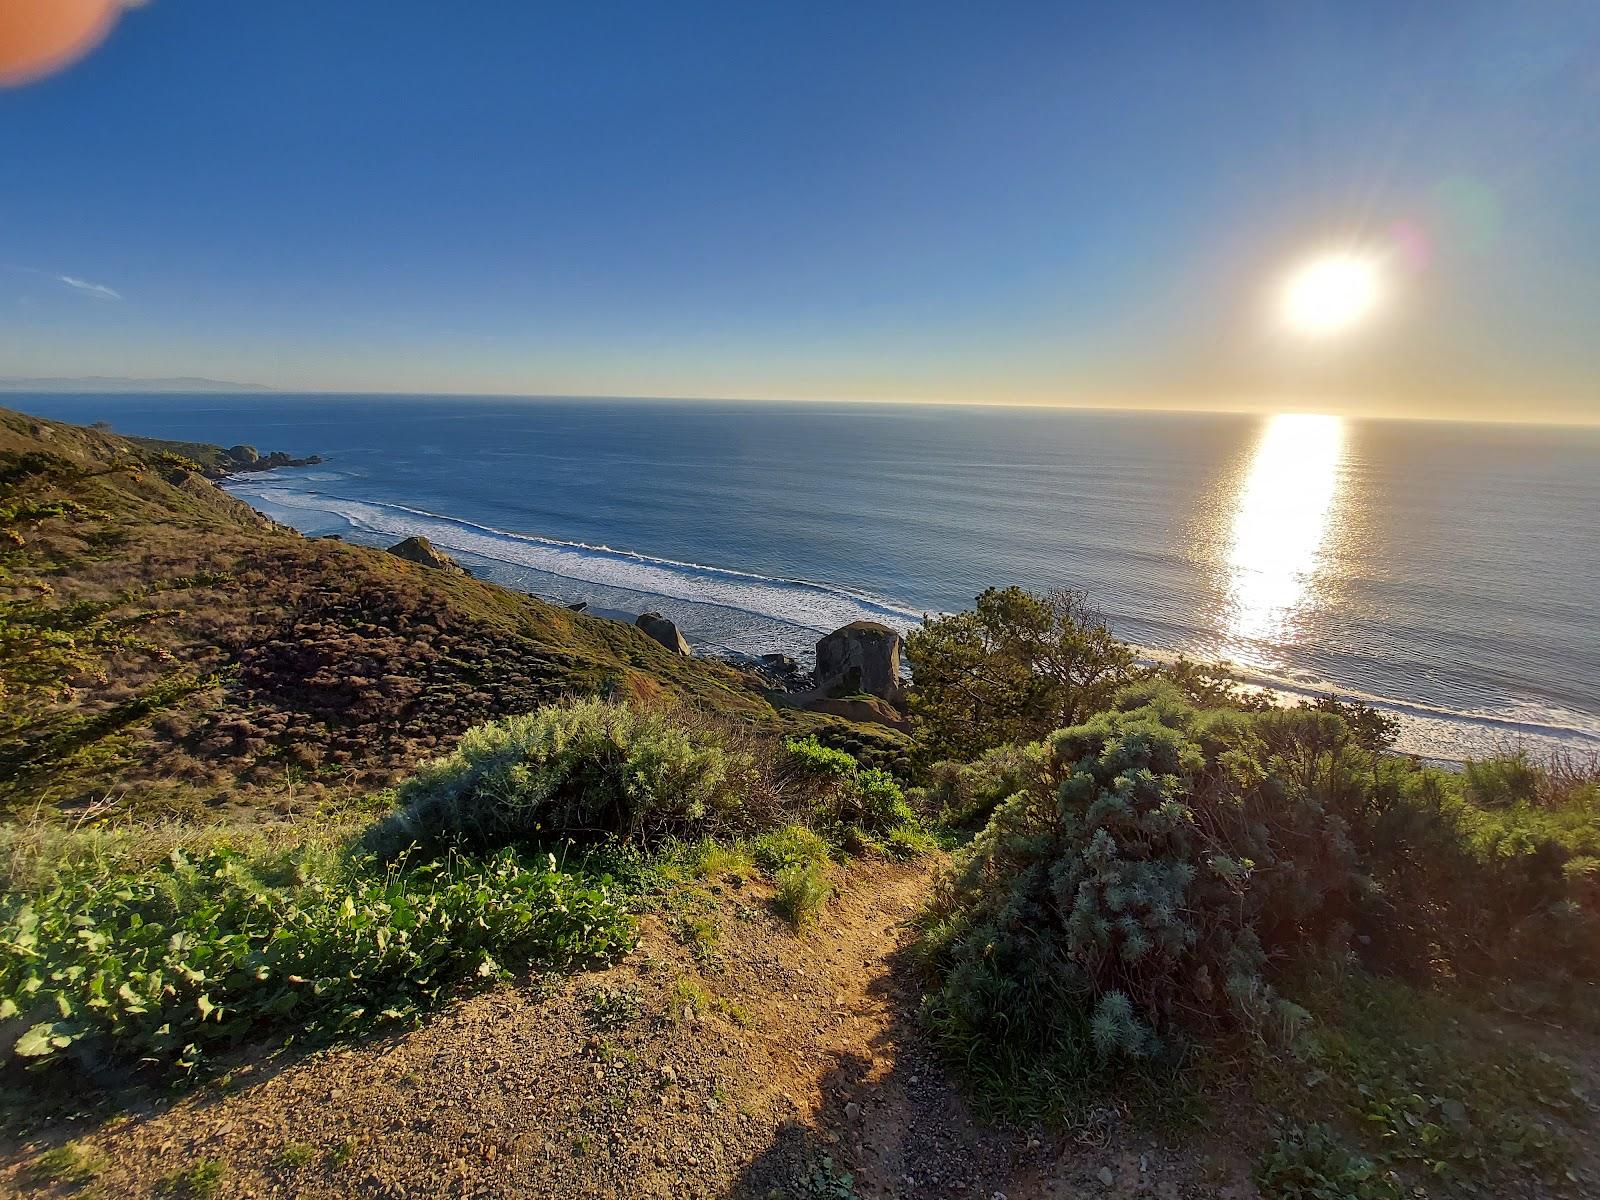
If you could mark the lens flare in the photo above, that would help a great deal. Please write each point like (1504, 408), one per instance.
(1331, 293)
(40, 37)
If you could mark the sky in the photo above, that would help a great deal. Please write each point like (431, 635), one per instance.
(1076, 204)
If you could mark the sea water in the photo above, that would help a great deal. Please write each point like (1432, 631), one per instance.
(1447, 572)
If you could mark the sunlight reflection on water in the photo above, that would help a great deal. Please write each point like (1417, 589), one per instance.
(1287, 506)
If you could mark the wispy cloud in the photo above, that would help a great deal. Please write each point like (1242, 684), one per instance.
(98, 290)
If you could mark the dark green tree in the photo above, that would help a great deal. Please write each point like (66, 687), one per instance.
(1013, 669)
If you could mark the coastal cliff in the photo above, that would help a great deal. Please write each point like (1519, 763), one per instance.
(169, 645)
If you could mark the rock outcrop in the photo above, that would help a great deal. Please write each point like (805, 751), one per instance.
(780, 664)
(420, 550)
(779, 672)
(236, 460)
(663, 631)
(868, 709)
(862, 658)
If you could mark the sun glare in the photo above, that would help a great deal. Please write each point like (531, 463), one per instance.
(1331, 294)
(1285, 509)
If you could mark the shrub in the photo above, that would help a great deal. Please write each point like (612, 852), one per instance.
(1488, 871)
(1372, 728)
(811, 757)
(164, 963)
(790, 845)
(1098, 908)
(1163, 864)
(870, 745)
(1502, 782)
(803, 892)
(964, 795)
(584, 769)
(854, 800)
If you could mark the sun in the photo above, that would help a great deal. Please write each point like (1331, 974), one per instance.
(1331, 293)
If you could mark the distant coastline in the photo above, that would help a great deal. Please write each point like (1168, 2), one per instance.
(92, 385)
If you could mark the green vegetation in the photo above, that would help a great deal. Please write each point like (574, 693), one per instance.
(1434, 1086)
(1163, 881)
(70, 1164)
(1312, 1163)
(163, 645)
(790, 846)
(342, 1153)
(1163, 878)
(584, 769)
(690, 1001)
(296, 1155)
(1014, 668)
(149, 950)
(872, 746)
(166, 963)
(963, 795)
(803, 892)
(858, 803)
(201, 1181)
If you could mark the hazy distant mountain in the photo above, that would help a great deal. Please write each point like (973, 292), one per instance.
(118, 383)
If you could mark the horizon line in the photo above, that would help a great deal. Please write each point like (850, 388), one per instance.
(232, 387)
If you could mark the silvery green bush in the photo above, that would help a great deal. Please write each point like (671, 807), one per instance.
(582, 770)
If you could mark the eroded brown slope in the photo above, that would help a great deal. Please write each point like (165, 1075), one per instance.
(166, 646)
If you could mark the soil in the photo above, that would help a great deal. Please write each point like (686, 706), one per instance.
(767, 1063)
(727, 1057)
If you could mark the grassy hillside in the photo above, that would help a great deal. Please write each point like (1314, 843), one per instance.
(165, 646)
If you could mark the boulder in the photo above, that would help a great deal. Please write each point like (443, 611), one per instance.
(664, 631)
(244, 454)
(862, 658)
(420, 550)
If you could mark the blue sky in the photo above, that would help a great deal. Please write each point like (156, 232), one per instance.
(1051, 203)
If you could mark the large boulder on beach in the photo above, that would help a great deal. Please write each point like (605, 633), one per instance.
(423, 552)
(664, 631)
(862, 658)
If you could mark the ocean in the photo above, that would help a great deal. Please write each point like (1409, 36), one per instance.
(1445, 572)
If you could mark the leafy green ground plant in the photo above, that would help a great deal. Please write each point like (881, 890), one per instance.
(164, 964)
(1429, 1086)
(1311, 1163)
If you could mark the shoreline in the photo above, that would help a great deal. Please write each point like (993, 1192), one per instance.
(1429, 731)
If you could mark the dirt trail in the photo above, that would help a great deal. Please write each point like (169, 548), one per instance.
(732, 1060)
